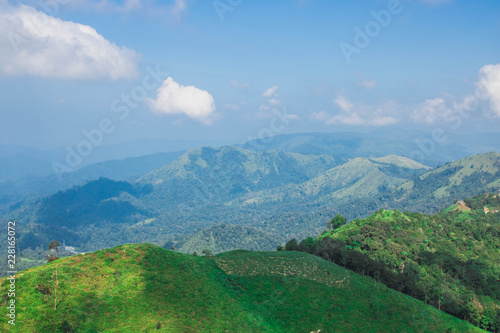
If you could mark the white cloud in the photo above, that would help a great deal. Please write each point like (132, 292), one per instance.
(270, 92)
(292, 116)
(358, 114)
(33, 43)
(239, 85)
(431, 110)
(320, 116)
(343, 103)
(351, 119)
(269, 110)
(173, 98)
(383, 121)
(488, 86)
(274, 102)
(178, 9)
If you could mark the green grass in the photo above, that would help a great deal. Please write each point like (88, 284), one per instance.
(449, 259)
(136, 288)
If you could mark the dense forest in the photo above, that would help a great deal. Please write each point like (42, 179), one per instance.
(267, 198)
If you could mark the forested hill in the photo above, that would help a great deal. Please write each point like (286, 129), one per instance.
(143, 288)
(266, 197)
(450, 260)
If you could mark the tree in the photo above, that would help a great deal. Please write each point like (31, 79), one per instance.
(307, 245)
(336, 222)
(292, 245)
(207, 252)
(54, 245)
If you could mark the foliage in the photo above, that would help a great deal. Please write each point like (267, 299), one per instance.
(450, 260)
(336, 222)
(227, 198)
(143, 288)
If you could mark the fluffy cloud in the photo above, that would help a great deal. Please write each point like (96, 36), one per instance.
(488, 86)
(357, 114)
(274, 102)
(172, 98)
(268, 110)
(270, 92)
(33, 43)
(343, 103)
(431, 110)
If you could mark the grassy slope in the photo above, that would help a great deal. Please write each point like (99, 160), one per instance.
(134, 288)
(360, 177)
(455, 251)
(458, 172)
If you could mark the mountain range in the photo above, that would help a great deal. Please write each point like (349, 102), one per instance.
(273, 196)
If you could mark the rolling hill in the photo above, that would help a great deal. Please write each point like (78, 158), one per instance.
(454, 181)
(203, 174)
(450, 260)
(143, 288)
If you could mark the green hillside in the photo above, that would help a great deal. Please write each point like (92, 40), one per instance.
(204, 175)
(143, 288)
(450, 260)
(455, 180)
(269, 197)
(358, 178)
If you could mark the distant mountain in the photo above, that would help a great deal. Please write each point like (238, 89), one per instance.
(142, 147)
(31, 187)
(205, 175)
(450, 260)
(143, 288)
(267, 197)
(358, 178)
(87, 216)
(396, 141)
(17, 161)
(454, 181)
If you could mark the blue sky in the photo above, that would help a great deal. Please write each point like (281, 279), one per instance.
(246, 69)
